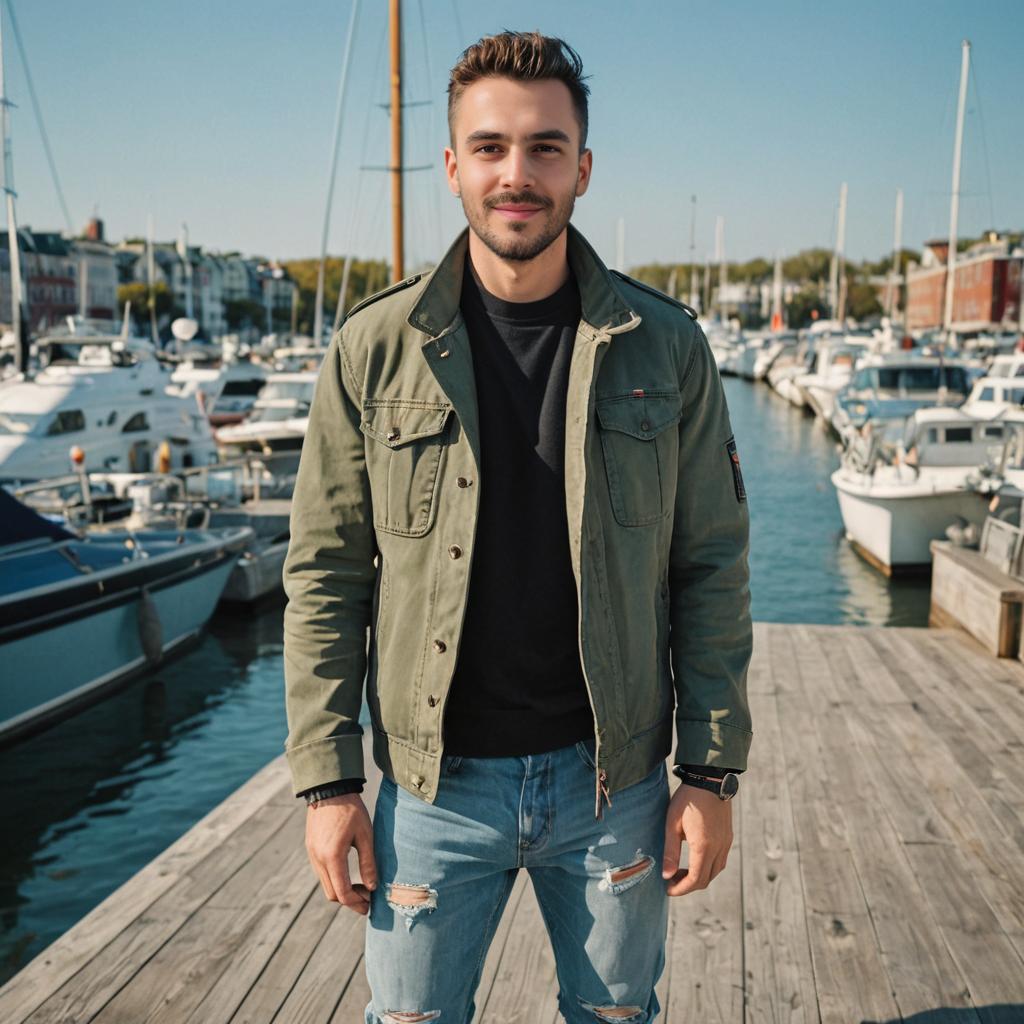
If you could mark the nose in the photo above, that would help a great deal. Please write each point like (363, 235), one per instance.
(516, 173)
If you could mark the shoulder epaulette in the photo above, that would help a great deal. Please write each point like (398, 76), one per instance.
(390, 290)
(689, 310)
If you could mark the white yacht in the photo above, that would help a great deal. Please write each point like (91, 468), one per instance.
(1000, 389)
(896, 498)
(834, 361)
(227, 391)
(279, 418)
(107, 396)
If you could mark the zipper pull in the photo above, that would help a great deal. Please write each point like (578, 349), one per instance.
(600, 788)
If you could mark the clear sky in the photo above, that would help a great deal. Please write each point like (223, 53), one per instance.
(219, 113)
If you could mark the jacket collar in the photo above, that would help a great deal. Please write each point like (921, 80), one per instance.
(602, 303)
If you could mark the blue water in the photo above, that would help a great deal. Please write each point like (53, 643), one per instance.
(88, 803)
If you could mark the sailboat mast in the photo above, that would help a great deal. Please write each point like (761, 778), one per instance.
(954, 203)
(694, 301)
(840, 257)
(397, 237)
(318, 308)
(897, 245)
(12, 223)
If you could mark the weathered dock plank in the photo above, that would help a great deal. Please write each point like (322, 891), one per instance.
(877, 874)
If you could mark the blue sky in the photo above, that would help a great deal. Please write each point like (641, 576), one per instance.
(220, 114)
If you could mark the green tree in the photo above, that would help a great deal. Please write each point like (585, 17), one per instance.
(365, 278)
(137, 293)
(802, 305)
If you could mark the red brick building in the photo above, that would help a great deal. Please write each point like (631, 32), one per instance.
(987, 290)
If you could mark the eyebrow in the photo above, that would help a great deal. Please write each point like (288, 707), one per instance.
(549, 135)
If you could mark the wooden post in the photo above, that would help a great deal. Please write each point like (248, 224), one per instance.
(398, 256)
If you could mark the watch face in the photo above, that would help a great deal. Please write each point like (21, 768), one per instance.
(730, 786)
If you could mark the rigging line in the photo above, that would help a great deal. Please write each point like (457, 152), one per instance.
(433, 184)
(39, 116)
(461, 41)
(984, 148)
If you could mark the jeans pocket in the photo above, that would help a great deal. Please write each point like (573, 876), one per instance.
(585, 749)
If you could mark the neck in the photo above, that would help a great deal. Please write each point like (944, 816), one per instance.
(521, 280)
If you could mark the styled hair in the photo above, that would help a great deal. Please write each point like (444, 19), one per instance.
(523, 57)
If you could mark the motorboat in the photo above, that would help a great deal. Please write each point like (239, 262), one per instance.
(279, 418)
(110, 398)
(895, 498)
(79, 615)
(226, 391)
(834, 362)
(893, 385)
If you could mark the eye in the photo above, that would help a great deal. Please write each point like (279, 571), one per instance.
(487, 146)
(549, 149)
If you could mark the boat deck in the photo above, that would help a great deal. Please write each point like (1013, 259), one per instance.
(877, 873)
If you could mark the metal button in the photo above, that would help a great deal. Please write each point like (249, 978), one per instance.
(432, 701)
(417, 780)
(440, 646)
(446, 353)
(462, 481)
(644, 425)
(455, 551)
(393, 434)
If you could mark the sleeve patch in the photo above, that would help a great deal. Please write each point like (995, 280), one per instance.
(737, 476)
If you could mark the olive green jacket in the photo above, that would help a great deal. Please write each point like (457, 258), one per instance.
(384, 515)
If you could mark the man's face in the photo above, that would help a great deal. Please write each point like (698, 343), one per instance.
(517, 163)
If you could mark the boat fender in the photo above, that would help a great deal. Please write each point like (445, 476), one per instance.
(163, 457)
(151, 633)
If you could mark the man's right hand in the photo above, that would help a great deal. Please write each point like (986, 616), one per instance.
(332, 827)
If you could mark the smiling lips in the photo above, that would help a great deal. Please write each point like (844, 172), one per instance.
(514, 212)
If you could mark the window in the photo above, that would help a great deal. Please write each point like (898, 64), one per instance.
(243, 387)
(959, 435)
(136, 423)
(67, 422)
(993, 432)
(112, 418)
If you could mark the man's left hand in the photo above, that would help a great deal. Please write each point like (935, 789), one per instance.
(704, 821)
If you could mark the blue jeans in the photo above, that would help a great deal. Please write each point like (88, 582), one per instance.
(445, 871)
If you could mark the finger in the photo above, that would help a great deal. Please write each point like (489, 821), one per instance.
(673, 842)
(367, 863)
(325, 881)
(695, 875)
(719, 866)
(337, 868)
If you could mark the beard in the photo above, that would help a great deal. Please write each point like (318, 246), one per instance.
(554, 215)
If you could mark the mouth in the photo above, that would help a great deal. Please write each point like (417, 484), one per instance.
(513, 211)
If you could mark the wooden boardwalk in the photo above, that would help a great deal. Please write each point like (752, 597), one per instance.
(877, 874)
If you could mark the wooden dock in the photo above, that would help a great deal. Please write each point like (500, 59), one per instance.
(877, 874)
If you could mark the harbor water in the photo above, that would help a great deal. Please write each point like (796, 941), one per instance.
(91, 801)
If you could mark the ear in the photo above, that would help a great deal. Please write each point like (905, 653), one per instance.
(451, 170)
(583, 174)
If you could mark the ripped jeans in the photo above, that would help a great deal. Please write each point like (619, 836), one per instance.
(445, 871)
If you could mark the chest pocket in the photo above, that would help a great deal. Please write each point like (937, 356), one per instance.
(641, 453)
(406, 441)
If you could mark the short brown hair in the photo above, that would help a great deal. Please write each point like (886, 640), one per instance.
(524, 57)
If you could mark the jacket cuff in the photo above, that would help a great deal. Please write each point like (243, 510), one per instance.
(326, 760)
(712, 744)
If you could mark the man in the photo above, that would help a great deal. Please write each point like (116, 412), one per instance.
(519, 476)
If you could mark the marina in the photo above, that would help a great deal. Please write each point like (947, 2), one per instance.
(154, 402)
(877, 873)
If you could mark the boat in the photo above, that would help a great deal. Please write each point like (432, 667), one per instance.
(834, 362)
(279, 418)
(106, 395)
(893, 385)
(81, 615)
(895, 498)
(226, 391)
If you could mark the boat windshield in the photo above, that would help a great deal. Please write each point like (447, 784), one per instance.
(251, 386)
(922, 378)
(286, 389)
(18, 422)
(276, 413)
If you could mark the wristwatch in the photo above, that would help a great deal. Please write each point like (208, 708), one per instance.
(725, 787)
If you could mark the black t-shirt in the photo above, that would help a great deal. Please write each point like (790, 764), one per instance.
(518, 685)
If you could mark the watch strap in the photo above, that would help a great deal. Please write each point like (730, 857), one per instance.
(341, 787)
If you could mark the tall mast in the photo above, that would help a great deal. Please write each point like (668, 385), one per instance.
(397, 239)
(620, 245)
(318, 308)
(897, 245)
(723, 273)
(840, 261)
(954, 203)
(777, 295)
(151, 280)
(7, 184)
(693, 252)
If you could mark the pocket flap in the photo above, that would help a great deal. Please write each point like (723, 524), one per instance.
(394, 422)
(642, 416)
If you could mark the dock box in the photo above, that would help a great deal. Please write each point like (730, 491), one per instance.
(971, 593)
